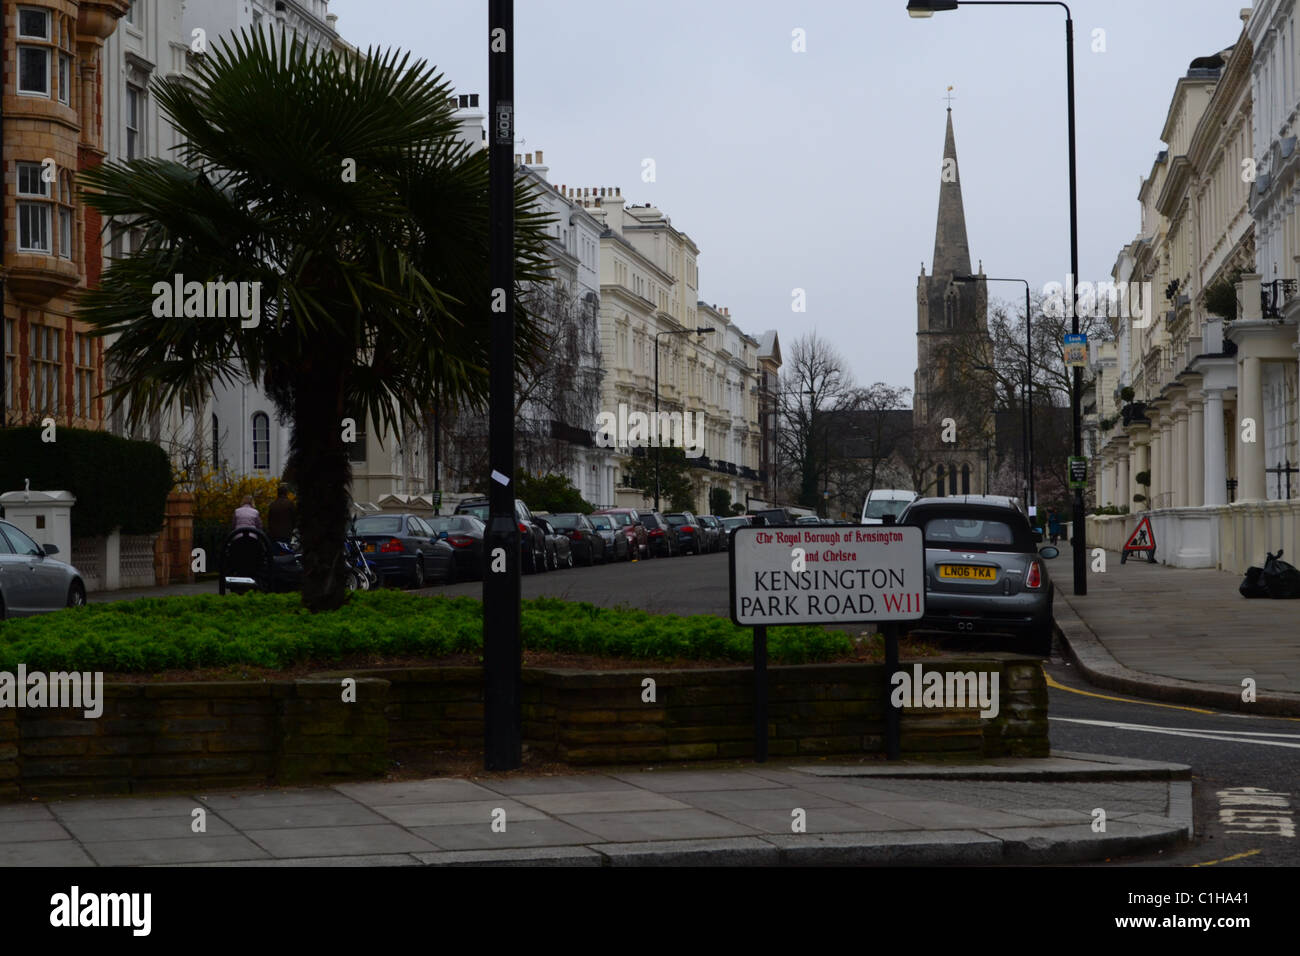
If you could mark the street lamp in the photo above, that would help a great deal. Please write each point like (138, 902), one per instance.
(826, 448)
(658, 433)
(1031, 500)
(926, 8)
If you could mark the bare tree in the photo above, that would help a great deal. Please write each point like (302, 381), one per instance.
(815, 385)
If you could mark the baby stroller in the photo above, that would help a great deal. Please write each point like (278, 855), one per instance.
(250, 561)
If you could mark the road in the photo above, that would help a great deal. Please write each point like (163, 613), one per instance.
(1245, 785)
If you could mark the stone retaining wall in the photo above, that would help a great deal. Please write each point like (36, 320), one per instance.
(203, 735)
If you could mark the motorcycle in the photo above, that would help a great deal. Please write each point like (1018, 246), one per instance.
(361, 571)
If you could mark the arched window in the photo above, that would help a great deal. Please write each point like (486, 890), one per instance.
(965, 479)
(939, 489)
(950, 309)
(261, 441)
(952, 479)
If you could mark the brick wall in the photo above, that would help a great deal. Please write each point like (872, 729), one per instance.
(200, 735)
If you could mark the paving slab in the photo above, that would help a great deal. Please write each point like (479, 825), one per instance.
(439, 790)
(310, 815)
(632, 827)
(449, 814)
(602, 801)
(199, 848)
(267, 799)
(526, 834)
(338, 841)
(574, 783)
(15, 812)
(144, 828)
(378, 859)
(781, 798)
(46, 853)
(28, 831)
(823, 820)
(123, 808)
(668, 781)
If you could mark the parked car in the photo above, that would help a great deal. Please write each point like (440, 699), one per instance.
(718, 538)
(558, 552)
(691, 537)
(403, 547)
(772, 518)
(885, 501)
(532, 540)
(586, 542)
(630, 523)
(732, 522)
(807, 519)
(617, 544)
(31, 579)
(661, 536)
(465, 535)
(983, 570)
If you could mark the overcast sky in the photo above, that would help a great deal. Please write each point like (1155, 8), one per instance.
(820, 170)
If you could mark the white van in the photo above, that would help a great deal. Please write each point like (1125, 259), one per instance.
(885, 501)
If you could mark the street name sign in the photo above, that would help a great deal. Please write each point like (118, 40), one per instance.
(827, 575)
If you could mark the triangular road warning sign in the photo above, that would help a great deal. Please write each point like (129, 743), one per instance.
(1142, 539)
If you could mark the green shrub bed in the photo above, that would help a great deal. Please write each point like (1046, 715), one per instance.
(273, 631)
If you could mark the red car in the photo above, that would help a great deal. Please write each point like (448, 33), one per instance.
(628, 521)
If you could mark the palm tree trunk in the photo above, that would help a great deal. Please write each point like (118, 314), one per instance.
(324, 473)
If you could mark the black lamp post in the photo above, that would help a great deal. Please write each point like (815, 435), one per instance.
(1032, 497)
(658, 436)
(927, 8)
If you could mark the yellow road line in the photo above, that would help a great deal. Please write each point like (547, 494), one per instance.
(1228, 859)
(1150, 703)
(1124, 700)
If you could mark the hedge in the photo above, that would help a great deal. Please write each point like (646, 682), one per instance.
(118, 482)
(274, 630)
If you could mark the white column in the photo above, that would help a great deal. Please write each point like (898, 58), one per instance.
(1178, 460)
(1122, 495)
(1250, 455)
(1195, 454)
(1155, 458)
(1216, 467)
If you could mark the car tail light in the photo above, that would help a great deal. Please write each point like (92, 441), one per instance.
(688, 529)
(523, 528)
(577, 535)
(1035, 577)
(460, 540)
(391, 545)
(657, 533)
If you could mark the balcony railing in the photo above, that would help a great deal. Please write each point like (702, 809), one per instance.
(1274, 295)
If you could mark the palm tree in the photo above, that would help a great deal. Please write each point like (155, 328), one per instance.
(374, 286)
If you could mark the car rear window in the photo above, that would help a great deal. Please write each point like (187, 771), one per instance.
(650, 521)
(566, 521)
(602, 522)
(974, 530)
(447, 523)
(675, 520)
(380, 525)
(880, 507)
(478, 511)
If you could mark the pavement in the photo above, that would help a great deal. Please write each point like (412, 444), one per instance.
(1019, 811)
(1180, 634)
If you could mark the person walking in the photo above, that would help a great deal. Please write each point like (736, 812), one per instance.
(1053, 524)
(280, 517)
(246, 515)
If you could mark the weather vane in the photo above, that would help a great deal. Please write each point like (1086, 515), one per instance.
(949, 97)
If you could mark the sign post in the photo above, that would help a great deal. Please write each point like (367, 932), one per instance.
(825, 575)
(1078, 472)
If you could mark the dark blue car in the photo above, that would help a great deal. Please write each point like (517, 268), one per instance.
(404, 548)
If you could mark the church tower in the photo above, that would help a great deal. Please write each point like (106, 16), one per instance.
(951, 339)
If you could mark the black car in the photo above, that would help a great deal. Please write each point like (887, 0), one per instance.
(532, 540)
(403, 547)
(617, 544)
(558, 552)
(588, 545)
(712, 525)
(773, 518)
(465, 535)
(660, 535)
(691, 538)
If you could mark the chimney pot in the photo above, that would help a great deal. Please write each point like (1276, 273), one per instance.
(539, 157)
(473, 99)
(528, 158)
(517, 159)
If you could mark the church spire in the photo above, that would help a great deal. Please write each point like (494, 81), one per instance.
(951, 252)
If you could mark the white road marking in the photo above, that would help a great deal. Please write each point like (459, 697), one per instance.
(1225, 736)
(1237, 809)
